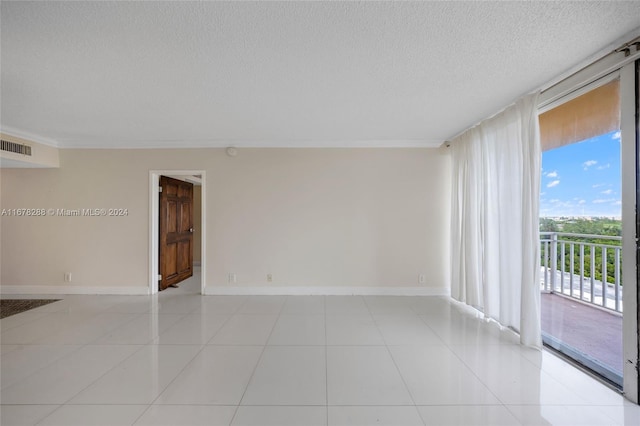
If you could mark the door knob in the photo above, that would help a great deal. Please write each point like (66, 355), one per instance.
(190, 229)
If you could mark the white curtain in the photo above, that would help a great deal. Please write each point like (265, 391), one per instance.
(495, 202)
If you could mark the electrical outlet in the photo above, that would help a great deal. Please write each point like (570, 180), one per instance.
(67, 277)
(269, 278)
(422, 279)
(232, 278)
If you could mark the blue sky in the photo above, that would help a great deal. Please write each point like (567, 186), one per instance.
(582, 179)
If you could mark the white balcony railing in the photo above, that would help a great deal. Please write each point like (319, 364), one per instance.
(576, 265)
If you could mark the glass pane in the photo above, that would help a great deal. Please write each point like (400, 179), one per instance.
(580, 224)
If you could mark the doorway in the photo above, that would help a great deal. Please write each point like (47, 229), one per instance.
(581, 229)
(176, 231)
(193, 176)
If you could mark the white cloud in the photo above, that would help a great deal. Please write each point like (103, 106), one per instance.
(606, 166)
(602, 201)
(555, 200)
(552, 174)
(616, 135)
(599, 185)
(553, 183)
(588, 164)
(607, 192)
(617, 203)
(581, 201)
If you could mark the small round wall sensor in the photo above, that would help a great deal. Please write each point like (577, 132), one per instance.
(232, 152)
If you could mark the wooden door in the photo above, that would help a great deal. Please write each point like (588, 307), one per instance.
(176, 232)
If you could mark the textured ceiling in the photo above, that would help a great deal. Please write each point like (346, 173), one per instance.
(171, 74)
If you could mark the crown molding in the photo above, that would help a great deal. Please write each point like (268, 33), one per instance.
(12, 131)
(225, 143)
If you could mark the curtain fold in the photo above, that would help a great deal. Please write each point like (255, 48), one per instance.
(495, 206)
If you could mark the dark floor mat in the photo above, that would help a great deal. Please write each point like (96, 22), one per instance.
(10, 307)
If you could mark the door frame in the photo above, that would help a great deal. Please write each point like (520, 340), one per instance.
(630, 268)
(614, 61)
(154, 212)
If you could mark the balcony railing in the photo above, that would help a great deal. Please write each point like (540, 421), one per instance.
(582, 266)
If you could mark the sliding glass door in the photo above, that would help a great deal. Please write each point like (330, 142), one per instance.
(581, 229)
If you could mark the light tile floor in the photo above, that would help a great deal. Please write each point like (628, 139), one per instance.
(184, 359)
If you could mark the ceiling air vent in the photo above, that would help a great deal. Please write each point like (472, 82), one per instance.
(18, 148)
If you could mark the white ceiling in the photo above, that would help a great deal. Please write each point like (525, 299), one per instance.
(194, 74)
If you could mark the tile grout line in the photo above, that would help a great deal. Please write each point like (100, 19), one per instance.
(80, 347)
(188, 363)
(468, 367)
(135, 317)
(386, 345)
(44, 366)
(26, 322)
(106, 372)
(172, 380)
(264, 348)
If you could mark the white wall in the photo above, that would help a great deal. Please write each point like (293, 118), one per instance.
(310, 217)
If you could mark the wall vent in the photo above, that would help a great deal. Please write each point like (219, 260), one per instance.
(18, 148)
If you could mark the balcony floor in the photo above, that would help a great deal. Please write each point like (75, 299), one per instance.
(589, 330)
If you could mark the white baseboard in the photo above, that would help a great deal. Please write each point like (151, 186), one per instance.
(66, 289)
(326, 291)
(234, 291)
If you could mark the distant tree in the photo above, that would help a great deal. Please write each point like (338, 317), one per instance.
(548, 225)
